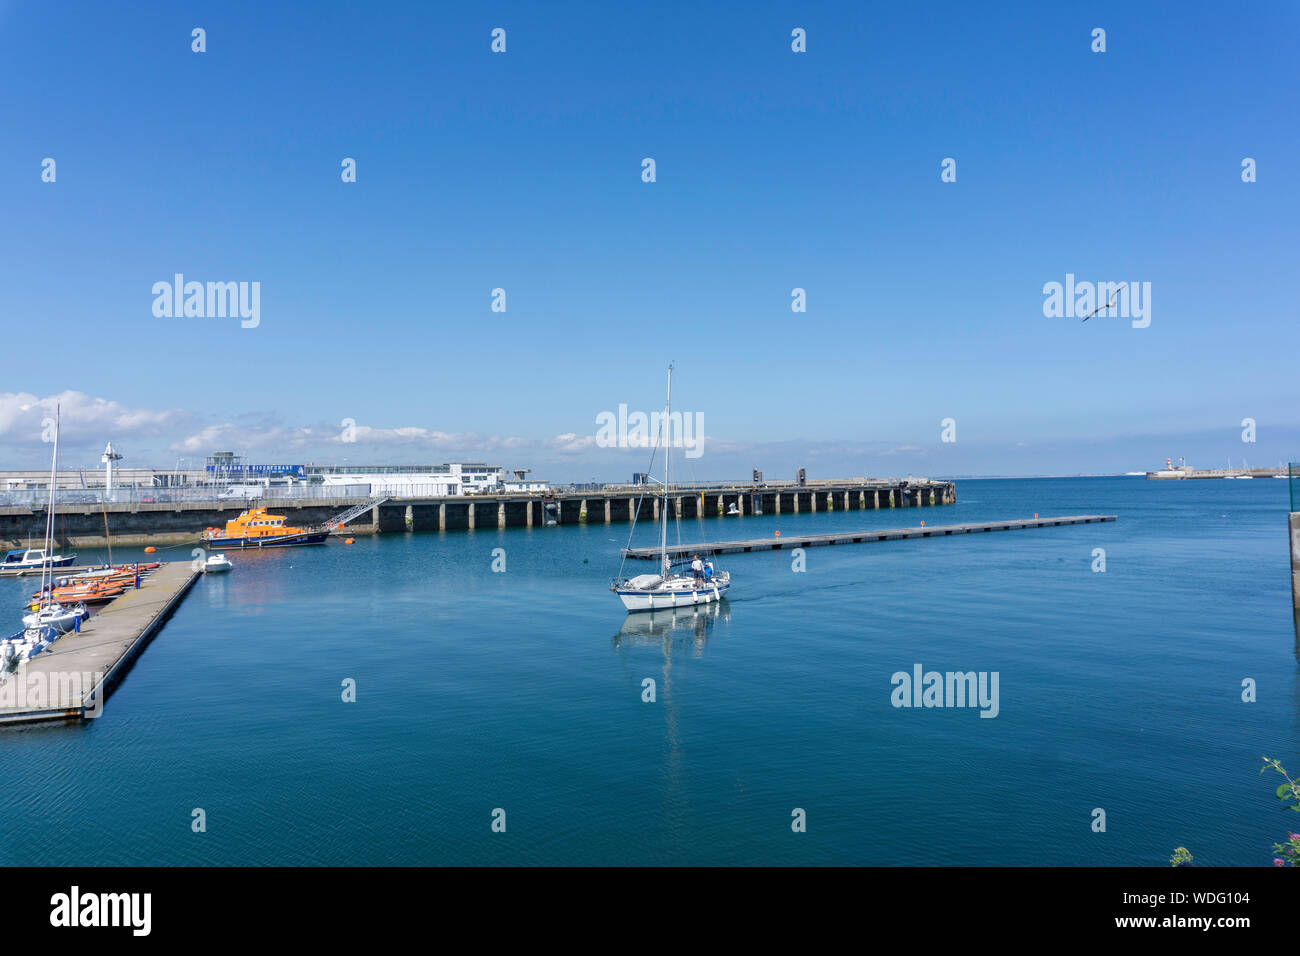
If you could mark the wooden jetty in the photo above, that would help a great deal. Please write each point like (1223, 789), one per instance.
(72, 679)
(861, 537)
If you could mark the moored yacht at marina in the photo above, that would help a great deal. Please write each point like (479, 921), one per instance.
(48, 618)
(56, 617)
(23, 559)
(25, 644)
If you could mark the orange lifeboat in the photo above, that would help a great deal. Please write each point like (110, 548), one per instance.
(257, 528)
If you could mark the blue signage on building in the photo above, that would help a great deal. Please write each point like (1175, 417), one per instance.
(298, 471)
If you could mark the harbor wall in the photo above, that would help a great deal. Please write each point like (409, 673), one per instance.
(179, 522)
(1192, 474)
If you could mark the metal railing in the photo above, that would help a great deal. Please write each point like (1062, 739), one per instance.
(39, 498)
(410, 491)
(779, 484)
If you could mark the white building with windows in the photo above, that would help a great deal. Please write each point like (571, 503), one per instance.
(512, 486)
(413, 481)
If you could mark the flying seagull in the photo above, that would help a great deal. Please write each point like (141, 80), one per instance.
(1107, 305)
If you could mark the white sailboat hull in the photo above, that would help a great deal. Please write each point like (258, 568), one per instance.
(54, 616)
(680, 592)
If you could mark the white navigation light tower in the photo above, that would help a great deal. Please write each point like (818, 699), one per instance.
(108, 458)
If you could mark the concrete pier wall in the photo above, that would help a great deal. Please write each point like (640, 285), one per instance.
(163, 523)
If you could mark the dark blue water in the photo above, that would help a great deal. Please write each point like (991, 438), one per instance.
(522, 691)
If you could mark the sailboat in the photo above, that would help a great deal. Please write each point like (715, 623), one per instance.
(49, 613)
(674, 585)
(25, 644)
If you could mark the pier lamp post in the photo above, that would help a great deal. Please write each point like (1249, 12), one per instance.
(108, 458)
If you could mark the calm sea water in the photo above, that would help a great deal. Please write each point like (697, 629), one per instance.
(522, 691)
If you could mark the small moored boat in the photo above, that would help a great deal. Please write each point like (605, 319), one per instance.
(99, 594)
(55, 617)
(34, 558)
(217, 562)
(114, 571)
(25, 644)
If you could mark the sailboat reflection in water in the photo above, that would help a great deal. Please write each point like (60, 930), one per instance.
(678, 635)
(674, 626)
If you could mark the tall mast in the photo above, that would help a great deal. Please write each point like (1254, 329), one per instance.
(49, 512)
(666, 426)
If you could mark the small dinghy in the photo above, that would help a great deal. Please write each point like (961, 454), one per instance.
(69, 600)
(217, 562)
(126, 572)
(97, 592)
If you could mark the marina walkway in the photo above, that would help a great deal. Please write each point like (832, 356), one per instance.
(861, 537)
(72, 679)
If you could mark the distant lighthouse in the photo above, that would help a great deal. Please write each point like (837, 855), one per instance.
(108, 458)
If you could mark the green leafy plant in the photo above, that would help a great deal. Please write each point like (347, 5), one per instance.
(1288, 854)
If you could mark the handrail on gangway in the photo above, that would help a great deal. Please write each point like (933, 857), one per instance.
(343, 517)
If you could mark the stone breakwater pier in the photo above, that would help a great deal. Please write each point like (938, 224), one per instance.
(167, 522)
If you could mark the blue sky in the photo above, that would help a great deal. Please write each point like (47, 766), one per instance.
(775, 170)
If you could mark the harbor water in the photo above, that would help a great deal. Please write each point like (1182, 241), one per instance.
(522, 690)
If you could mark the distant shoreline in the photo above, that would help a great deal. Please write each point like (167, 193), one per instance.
(1113, 474)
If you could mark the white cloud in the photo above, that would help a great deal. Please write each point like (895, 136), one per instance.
(84, 418)
(328, 439)
(152, 436)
